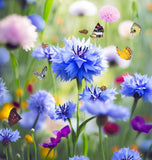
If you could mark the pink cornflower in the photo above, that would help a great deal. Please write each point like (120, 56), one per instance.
(109, 14)
(17, 30)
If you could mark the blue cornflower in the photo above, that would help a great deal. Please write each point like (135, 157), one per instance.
(108, 108)
(4, 56)
(65, 111)
(7, 135)
(28, 119)
(126, 154)
(144, 146)
(37, 21)
(78, 59)
(96, 93)
(44, 51)
(3, 92)
(2, 4)
(79, 158)
(137, 86)
(41, 102)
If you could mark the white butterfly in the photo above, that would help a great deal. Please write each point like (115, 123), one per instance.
(42, 74)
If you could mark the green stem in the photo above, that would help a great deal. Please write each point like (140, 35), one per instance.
(85, 144)
(148, 153)
(79, 89)
(36, 120)
(68, 144)
(48, 153)
(6, 154)
(35, 149)
(28, 152)
(101, 143)
(107, 33)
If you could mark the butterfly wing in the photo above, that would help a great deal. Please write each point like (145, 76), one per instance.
(44, 71)
(135, 29)
(14, 117)
(125, 54)
(97, 32)
(38, 75)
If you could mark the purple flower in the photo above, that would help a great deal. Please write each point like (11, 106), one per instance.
(37, 21)
(2, 4)
(41, 102)
(78, 59)
(79, 158)
(126, 154)
(109, 14)
(7, 135)
(59, 134)
(43, 52)
(137, 86)
(3, 92)
(138, 124)
(65, 111)
(4, 56)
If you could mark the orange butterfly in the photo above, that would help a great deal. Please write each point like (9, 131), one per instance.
(103, 88)
(44, 45)
(125, 54)
(14, 117)
(85, 31)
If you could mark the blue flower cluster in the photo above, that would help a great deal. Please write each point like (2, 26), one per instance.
(79, 158)
(3, 92)
(78, 59)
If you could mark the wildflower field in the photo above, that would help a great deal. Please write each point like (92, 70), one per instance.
(75, 80)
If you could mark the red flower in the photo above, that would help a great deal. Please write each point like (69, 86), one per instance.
(30, 88)
(111, 128)
(119, 79)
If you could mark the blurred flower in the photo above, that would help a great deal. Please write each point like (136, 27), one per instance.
(4, 56)
(148, 117)
(30, 88)
(83, 8)
(28, 119)
(2, 4)
(43, 52)
(126, 154)
(37, 21)
(134, 147)
(3, 92)
(65, 111)
(42, 102)
(149, 6)
(124, 29)
(119, 79)
(138, 124)
(95, 93)
(28, 138)
(59, 134)
(79, 158)
(144, 146)
(7, 135)
(113, 58)
(11, 32)
(111, 128)
(137, 86)
(16, 104)
(24, 104)
(109, 14)
(19, 92)
(115, 148)
(105, 108)
(44, 152)
(78, 59)
(5, 111)
(31, 1)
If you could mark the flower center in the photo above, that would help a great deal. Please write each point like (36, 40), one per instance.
(131, 157)
(79, 51)
(5, 141)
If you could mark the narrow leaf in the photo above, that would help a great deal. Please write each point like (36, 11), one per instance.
(47, 9)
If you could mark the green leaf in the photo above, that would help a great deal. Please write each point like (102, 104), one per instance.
(15, 70)
(73, 136)
(85, 144)
(47, 9)
(81, 127)
(134, 6)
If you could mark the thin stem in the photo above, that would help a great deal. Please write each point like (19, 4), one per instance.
(107, 33)
(36, 120)
(148, 153)
(48, 153)
(35, 149)
(28, 152)
(85, 144)
(101, 143)
(6, 154)
(68, 145)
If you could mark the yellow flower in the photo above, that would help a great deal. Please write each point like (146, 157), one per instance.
(28, 138)
(24, 104)
(4, 112)
(19, 92)
(115, 148)
(44, 152)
